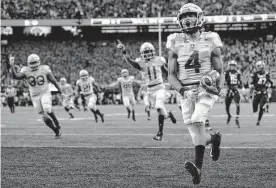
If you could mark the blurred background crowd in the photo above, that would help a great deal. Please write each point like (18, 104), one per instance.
(68, 9)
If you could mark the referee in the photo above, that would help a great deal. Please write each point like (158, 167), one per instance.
(10, 92)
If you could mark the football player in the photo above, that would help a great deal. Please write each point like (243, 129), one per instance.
(84, 87)
(151, 66)
(11, 93)
(260, 79)
(234, 81)
(38, 78)
(192, 53)
(125, 83)
(67, 101)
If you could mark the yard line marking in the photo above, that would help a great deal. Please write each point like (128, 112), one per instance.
(143, 114)
(137, 147)
(118, 134)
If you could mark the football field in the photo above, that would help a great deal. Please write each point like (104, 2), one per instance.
(122, 153)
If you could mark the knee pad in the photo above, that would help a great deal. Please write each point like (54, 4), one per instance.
(47, 108)
(198, 133)
(159, 105)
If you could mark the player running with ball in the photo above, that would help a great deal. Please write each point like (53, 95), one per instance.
(151, 66)
(192, 54)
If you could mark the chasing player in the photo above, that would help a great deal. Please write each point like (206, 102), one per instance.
(67, 101)
(234, 81)
(39, 77)
(84, 87)
(260, 80)
(11, 93)
(192, 53)
(151, 66)
(125, 83)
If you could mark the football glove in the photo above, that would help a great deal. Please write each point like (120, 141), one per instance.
(210, 82)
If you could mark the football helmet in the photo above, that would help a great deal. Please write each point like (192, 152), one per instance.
(33, 61)
(260, 65)
(188, 23)
(125, 73)
(84, 74)
(147, 51)
(232, 65)
(62, 81)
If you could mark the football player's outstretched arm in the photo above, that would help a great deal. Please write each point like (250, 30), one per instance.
(218, 64)
(114, 85)
(16, 75)
(52, 79)
(127, 58)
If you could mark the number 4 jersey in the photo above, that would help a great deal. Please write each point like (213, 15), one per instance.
(37, 80)
(194, 55)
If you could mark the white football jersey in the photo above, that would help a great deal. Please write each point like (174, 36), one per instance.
(126, 85)
(86, 87)
(66, 89)
(151, 70)
(194, 55)
(37, 80)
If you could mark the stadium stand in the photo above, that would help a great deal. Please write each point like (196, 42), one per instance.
(69, 9)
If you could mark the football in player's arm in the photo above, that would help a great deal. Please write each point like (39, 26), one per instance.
(39, 88)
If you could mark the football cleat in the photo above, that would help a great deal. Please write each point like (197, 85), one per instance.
(238, 123)
(215, 149)
(133, 116)
(228, 119)
(58, 133)
(258, 123)
(158, 136)
(194, 171)
(171, 116)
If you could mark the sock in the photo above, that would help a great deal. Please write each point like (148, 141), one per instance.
(98, 112)
(95, 114)
(148, 113)
(66, 109)
(50, 124)
(71, 115)
(260, 114)
(228, 110)
(133, 114)
(128, 111)
(267, 108)
(52, 115)
(199, 154)
(161, 123)
(238, 111)
(180, 108)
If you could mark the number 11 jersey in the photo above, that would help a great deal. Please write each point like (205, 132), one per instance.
(152, 70)
(194, 54)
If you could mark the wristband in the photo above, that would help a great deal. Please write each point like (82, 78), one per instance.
(124, 52)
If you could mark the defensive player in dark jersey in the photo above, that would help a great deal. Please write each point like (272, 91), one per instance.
(233, 80)
(260, 79)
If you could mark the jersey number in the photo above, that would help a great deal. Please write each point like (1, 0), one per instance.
(193, 62)
(262, 81)
(33, 81)
(86, 88)
(152, 74)
(127, 85)
(233, 79)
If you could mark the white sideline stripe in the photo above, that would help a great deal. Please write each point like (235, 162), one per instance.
(144, 147)
(35, 134)
(140, 114)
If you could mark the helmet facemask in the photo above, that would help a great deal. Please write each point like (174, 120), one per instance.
(34, 65)
(125, 74)
(260, 66)
(148, 54)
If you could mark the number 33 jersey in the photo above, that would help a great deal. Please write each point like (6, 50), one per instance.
(194, 55)
(37, 80)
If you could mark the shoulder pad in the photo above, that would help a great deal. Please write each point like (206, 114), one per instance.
(131, 77)
(162, 59)
(78, 81)
(45, 68)
(91, 79)
(214, 37)
(239, 72)
(119, 79)
(24, 69)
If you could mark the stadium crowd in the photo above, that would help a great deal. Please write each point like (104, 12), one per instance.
(68, 9)
(104, 61)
